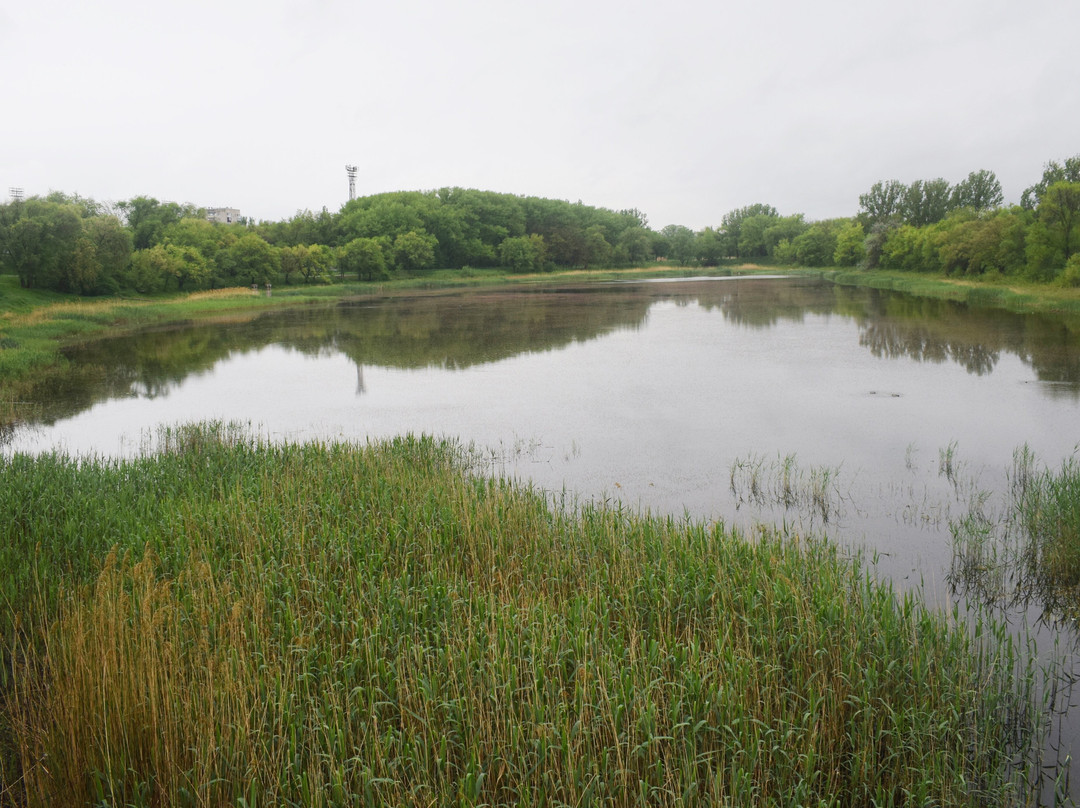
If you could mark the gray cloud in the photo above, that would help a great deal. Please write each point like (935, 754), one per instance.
(683, 109)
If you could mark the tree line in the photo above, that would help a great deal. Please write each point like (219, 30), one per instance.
(74, 244)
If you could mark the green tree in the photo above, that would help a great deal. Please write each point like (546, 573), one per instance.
(883, 201)
(681, 244)
(1069, 171)
(113, 246)
(148, 218)
(711, 247)
(816, 246)
(147, 270)
(1059, 211)
(783, 228)
(39, 241)
(633, 243)
(319, 260)
(731, 225)
(523, 253)
(926, 202)
(988, 243)
(206, 237)
(363, 257)
(415, 250)
(850, 246)
(188, 267)
(292, 259)
(304, 227)
(980, 191)
(248, 261)
(598, 252)
(753, 242)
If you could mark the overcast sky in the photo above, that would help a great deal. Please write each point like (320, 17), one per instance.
(684, 109)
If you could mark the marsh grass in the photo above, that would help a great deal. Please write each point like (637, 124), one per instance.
(764, 482)
(1027, 547)
(225, 622)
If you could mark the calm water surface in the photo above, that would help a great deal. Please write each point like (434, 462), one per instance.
(690, 397)
(830, 409)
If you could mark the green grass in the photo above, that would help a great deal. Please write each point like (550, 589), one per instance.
(223, 622)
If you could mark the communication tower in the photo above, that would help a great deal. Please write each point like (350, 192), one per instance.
(351, 171)
(16, 194)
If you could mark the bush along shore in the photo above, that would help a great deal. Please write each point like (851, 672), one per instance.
(225, 622)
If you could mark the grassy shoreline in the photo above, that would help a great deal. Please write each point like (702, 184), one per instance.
(1010, 294)
(331, 624)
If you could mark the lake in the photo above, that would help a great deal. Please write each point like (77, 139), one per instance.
(872, 417)
(729, 399)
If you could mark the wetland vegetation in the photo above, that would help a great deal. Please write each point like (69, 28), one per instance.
(333, 624)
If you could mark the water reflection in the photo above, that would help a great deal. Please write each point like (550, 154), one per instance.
(459, 330)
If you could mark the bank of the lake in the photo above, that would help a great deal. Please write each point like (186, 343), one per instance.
(1011, 294)
(331, 624)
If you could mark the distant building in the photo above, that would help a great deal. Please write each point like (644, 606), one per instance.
(223, 215)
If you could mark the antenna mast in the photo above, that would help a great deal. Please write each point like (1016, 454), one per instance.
(351, 171)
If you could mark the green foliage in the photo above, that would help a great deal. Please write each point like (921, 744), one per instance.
(304, 228)
(981, 191)
(523, 253)
(73, 244)
(850, 248)
(112, 244)
(148, 218)
(816, 246)
(904, 248)
(1053, 171)
(39, 241)
(975, 246)
(247, 261)
(732, 226)
(1070, 276)
(414, 250)
(883, 201)
(712, 247)
(679, 244)
(153, 269)
(597, 250)
(363, 257)
(785, 227)
(926, 202)
(752, 241)
(633, 245)
(309, 262)
(1059, 211)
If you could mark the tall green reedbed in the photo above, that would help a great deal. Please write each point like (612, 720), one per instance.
(224, 622)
